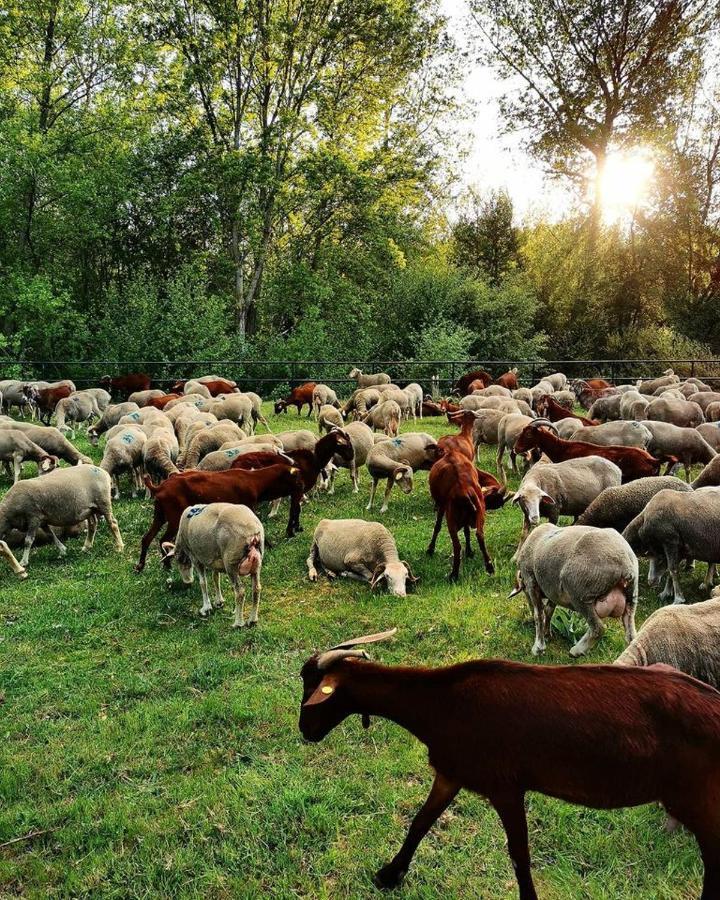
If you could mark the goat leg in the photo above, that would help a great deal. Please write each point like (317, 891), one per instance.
(512, 814)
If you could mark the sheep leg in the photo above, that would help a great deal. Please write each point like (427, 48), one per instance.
(219, 599)
(29, 541)
(672, 556)
(442, 793)
(436, 532)
(17, 469)
(112, 522)
(386, 495)
(710, 577)
(513, 462)
(499, 464)
(274, 507)
(206, 607)
(512, 814)
(92, 524)
(313, 562)
(593, 633)
(628, 620)
(355, 477)
(7, 553)
(548, 609)
(373, 489)
(536, 605)
(239, 589)
(255, 578)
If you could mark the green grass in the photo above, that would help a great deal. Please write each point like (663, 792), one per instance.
(162, 752)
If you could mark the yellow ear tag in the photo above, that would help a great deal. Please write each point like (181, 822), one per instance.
(326, 689)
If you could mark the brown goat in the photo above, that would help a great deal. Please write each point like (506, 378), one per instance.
(297, 397)
(124, 385)
(501, 729)
(462, 385)
(549, 407)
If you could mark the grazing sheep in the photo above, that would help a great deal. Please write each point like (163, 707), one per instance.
(302, 439)
(160, 453)
(630, 402)
(323, 395)
(364, 381)
(100, 396)
(712, 411)
(405, 401)
(111, 416)
(361, 438)
(493, 390)
(558, 380)
(605, 408)
(257, 413)
(190, 422)
(485, 427)
(196, 387)
(668, 377)
(262, 440)
(53, 442)
(415, 393)
(74, 409)
(124, 453)
(142, 398)
(684, 637)
(395, 460)
(207, 440)
(329, 417)
(616, 507)
(526, 395)
(677, 526)
(222, 459)
(710, 433)
(17, 393)
(704, 398)
(615, 434)
(364, 551)
(590, 570)
(540, 389)
(62, 497)
(508, 432)
(567, 428)
(16, 447)
(684, 444)
(196, 400)
(385, 416)
(145, 416)
(684, 413)
(360, 402)
(236, 408)
(221, 537)
(563, 489)
(710, 475)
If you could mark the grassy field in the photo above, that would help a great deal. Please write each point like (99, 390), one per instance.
(159, 753)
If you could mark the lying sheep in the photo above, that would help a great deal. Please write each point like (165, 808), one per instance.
(563, 489)
(160, 452)
(684, 637)
(684, 413)
(329, 417)
(323, 395)
(684, 444)
(673, 527)
(63, 497)
(111, 416)
(364, 551)
(16, 448)
(592, 571)
(221, 537)
(386, 417)
(361, 438)
(395, 460)
(52, 441)
(617, 506)
(124, 454)
(207, 440)
(364, 381)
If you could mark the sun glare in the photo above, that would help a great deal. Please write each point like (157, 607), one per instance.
(624, 184)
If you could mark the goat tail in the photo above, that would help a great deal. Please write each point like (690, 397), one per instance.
(150, 485)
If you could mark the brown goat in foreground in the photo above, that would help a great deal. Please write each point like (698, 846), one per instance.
(501, 729)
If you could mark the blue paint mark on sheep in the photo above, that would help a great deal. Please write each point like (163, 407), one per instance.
(127, 438)
(194, 511)
(135, 416)
(398, 442)
(231, 453)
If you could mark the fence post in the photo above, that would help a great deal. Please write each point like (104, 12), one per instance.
(692, 369)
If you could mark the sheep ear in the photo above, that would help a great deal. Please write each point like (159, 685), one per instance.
(398, 475)
(323, 691)
(546, 498)
(168, 549)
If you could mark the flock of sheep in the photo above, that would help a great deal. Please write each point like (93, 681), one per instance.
(196, 452)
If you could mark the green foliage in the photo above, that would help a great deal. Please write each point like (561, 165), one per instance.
(485, 239)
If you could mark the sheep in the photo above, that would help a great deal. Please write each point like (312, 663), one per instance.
(565, 398)
(221, 537)
(710, 475)
(616, 507)
(101, 397)
(124, 453)
(684, 637)
(605, 408)
(364, 381)
(493, 390)
(386, 416)
(196, 400)
(563, 489)
(190, 422)
(144, 416)
(590, 570)
(207, 440)
(673, 527)
(159, 454)
(17, 393)
(501, 729)
(710, 433)
(219, 460)
(396, 459)
(712, 412)
(508, 432)
(62, 497)
(237, 408)
(364, 551)
(111, 416)
(302, 439)
(329, 417)
(360, 402)
(684, 444)
(16, 447)
(263, 440)
(668, 377)
(615, 434)
(568, 428)
(142, 398)
(541, 388)
(257, 413)
(53, 442)
(415, 393)
(630, 402)
(704, 398)
(405, 401)
(323, 395)
(361, 438)
(486, 425)
(558, 380)
(678, 412)
(75, 409)
(524, 394)
(196, 387)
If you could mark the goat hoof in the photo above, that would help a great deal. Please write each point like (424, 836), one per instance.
(388, 878)
(490, 569)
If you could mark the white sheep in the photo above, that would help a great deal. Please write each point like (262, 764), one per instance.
(124, 453)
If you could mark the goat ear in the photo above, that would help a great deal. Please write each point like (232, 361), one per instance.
(323, 691)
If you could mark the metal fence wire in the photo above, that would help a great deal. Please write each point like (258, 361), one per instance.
(273, 377)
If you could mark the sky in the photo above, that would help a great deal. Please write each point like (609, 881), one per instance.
(497, 160)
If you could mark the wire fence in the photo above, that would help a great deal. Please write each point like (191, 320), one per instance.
(273, 377)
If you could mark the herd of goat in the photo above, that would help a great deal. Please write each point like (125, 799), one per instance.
(491, 726)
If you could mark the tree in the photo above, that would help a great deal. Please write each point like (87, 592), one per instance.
(592, 76)
(485, 240)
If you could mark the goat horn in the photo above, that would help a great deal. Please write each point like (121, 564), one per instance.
(325, 660)
(367, 639)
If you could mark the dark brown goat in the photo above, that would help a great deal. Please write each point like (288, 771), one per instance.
(124, 385)
(297, 397)
(501, 729)
(632, 461)
(462, 385)
(549, 407)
